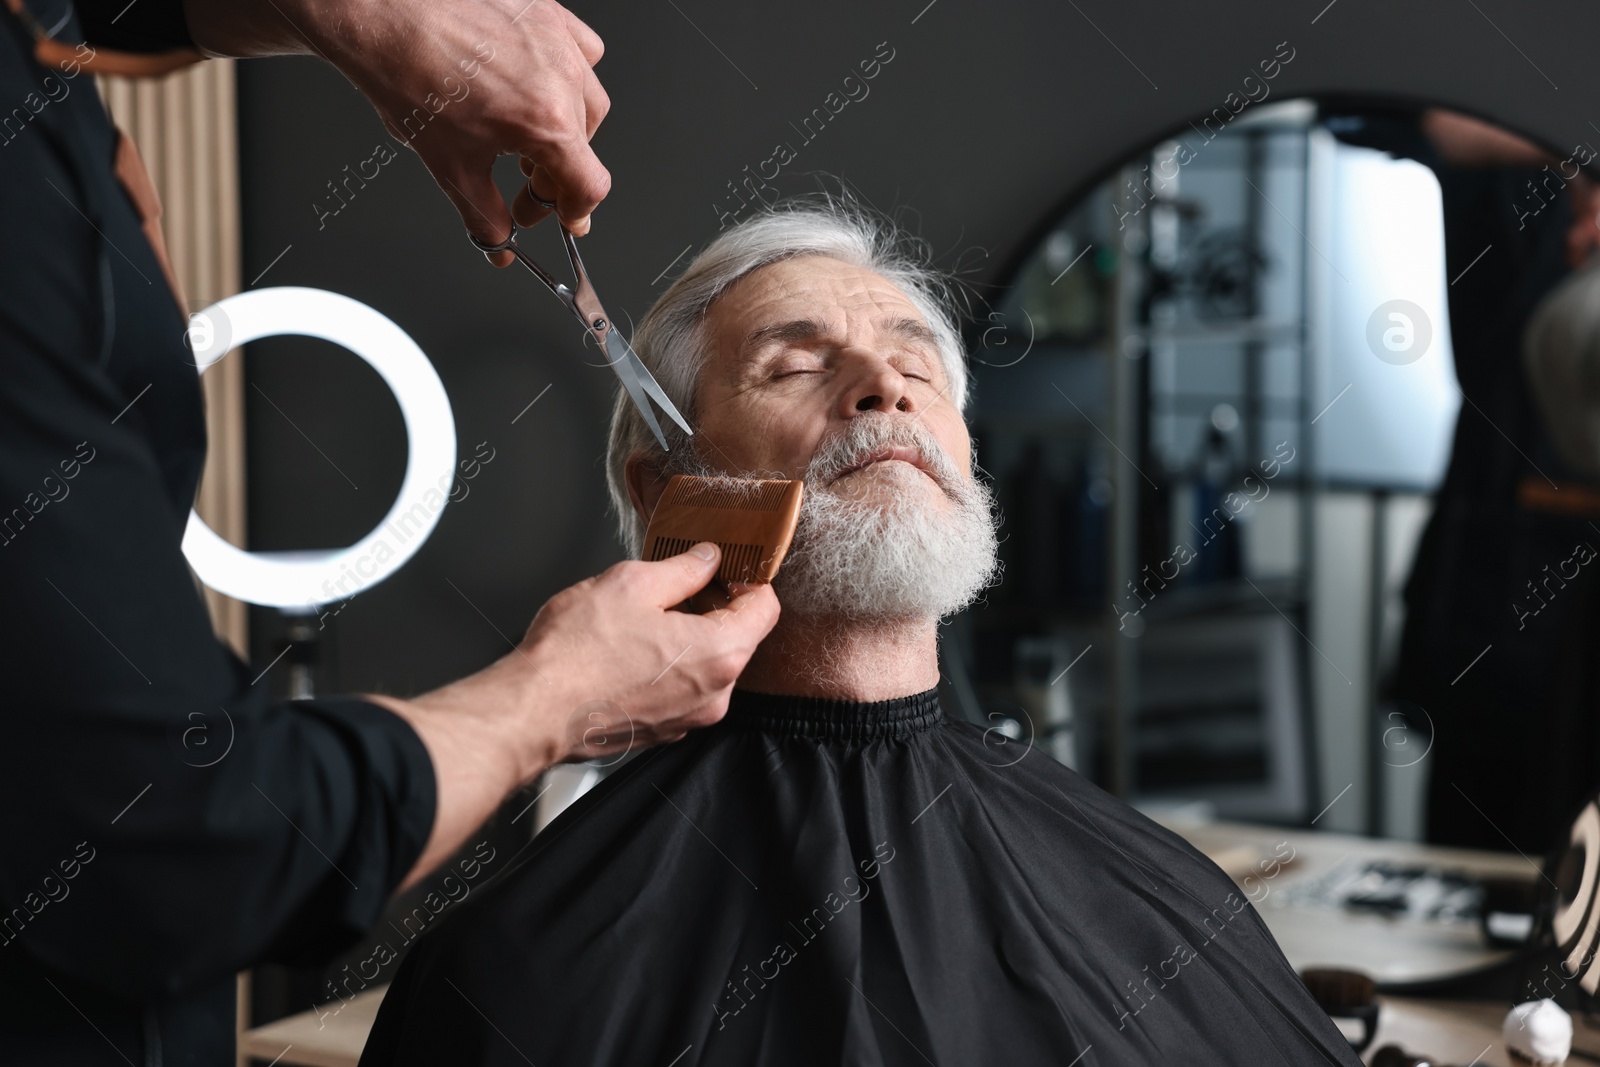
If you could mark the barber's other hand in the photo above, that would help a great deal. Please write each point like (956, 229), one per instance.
(461, 81)
(628, 671)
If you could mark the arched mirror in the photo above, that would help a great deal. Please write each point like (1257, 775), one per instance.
(1264, 557)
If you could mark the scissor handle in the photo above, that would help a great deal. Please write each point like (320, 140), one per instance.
(580, 296)
(636, 379)
(557, 287)
(488, 249)
(510, 243)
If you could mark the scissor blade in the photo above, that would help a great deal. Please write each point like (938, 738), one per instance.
(640, 384)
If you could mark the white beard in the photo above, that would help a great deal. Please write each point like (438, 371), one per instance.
(891, 554)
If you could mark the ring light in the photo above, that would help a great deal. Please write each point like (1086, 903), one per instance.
(308, 579)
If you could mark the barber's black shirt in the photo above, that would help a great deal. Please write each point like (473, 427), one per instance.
(163, 823)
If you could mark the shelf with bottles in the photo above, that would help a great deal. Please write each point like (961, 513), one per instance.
(1236, 331)
(1212, 522)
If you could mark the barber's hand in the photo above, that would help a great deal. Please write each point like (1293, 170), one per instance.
(533, 94)
(626, 669)
(461, 81)
(607, 666)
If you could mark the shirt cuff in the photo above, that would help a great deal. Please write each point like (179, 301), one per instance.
(395, 819)
(147, 26)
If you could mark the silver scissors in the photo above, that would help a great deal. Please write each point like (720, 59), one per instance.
(631, 371)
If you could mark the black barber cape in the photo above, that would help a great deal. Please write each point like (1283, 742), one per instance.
(817, 882)
(163, 822)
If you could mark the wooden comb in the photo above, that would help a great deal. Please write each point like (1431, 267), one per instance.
(751, 521)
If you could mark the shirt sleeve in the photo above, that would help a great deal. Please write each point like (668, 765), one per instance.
(146, 26)
(165, 821)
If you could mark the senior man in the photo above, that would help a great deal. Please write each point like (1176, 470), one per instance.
(837, 873)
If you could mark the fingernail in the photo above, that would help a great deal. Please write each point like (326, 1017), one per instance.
(704, 550)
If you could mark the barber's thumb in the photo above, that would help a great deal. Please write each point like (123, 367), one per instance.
(677, 578)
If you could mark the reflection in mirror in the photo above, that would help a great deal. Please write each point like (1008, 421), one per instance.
(1220, 400)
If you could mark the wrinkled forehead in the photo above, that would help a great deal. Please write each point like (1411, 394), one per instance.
(804, 296)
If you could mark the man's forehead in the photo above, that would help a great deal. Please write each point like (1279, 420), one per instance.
(810, 328)
(809, 296)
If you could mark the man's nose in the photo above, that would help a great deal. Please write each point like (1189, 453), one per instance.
(876, 386)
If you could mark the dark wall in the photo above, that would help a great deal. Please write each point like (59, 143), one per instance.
(985, 119)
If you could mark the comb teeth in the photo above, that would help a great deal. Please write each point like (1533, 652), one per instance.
(751, 522)
(696, 493)
(740, 563)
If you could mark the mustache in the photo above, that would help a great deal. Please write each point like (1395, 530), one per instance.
(838, 453)
(847, 449)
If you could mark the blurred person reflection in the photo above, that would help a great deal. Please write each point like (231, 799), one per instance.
(1500, 658)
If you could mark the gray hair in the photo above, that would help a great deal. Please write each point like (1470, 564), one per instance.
(671, 339)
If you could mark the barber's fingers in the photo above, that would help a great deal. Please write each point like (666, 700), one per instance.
(565, 169)
(524, 207)
(543, 184)
(749, 617)
(596, 103)
(588, 42)
(472, 190)
(570, 174)
(719, 646)
(737, 628)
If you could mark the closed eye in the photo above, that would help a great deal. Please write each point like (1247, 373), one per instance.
(792, 367)
(917, 368)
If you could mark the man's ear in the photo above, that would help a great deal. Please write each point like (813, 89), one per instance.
(646, 483)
